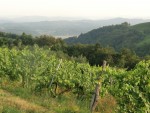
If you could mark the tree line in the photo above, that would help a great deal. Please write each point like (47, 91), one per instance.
(92, 53)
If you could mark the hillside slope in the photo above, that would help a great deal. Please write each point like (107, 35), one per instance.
(7, 99)
(120, 36)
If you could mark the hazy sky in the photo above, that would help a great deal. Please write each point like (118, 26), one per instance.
(93, 9)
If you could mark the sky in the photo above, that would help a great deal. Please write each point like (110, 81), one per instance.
(91, 9)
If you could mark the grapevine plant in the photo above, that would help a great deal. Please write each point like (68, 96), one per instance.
(39, 69)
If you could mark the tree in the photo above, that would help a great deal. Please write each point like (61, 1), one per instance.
(27, 39)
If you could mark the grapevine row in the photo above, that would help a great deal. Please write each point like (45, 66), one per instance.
(37, 68)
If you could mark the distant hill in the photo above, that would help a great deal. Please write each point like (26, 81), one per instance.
(59, 28)
(136, 37)
(143, 47)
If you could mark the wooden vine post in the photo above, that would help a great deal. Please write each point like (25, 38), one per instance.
(51, 82)
(95, 97)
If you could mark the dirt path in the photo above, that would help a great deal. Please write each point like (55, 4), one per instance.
(8, 99)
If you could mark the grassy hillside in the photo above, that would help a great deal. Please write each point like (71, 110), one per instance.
(11, 103)
(120, 36)
(20, 100)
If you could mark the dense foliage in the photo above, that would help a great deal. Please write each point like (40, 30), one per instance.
(40, 70)
(119, 36)
(94, 54)
(8, 39)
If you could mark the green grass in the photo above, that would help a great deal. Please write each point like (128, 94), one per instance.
(9, 109)
(66, 103)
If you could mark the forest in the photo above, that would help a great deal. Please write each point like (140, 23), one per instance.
(135, 37)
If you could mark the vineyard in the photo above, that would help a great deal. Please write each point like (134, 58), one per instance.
(41, 71)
